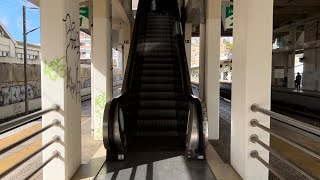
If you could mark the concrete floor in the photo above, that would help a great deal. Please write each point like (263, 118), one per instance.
(89, 146)
(298, 157)
(163, 168)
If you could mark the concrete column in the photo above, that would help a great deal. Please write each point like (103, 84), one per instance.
(291, 59)
(101, 64)
(60, 84)
(126, 44)
(187, 42)
(310, 76)
(251, 79)
(212, 65)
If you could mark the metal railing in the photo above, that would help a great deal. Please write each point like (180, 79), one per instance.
(290, 121)
(11, 125)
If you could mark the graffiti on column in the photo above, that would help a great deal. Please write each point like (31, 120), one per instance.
(55, 69)
(100, 102)
(72, 58)
(14, 94)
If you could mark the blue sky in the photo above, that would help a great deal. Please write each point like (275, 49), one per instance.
(11, 17)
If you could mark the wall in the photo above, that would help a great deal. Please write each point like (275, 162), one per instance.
(12, 87)
(279, 68)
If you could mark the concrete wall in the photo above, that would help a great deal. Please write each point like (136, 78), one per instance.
(12, 87)
(279, 68)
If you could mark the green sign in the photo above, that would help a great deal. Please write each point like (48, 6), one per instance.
(227, 14)
(84, 17)
(229, 17)
(229, 10)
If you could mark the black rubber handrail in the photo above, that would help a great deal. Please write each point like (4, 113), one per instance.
(128, 77)
(183, 62)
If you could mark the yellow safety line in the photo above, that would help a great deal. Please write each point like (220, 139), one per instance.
(16, 157)
(17, 136)
(298, 157)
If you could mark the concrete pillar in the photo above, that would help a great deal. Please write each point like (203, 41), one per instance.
(101, 64)
(251, 81)
(126, 44)
(187, 42)
(60, 84)
(212, 65)
(291, 59)
(311, 60)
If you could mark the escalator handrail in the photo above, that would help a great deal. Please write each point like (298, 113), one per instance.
(183, 62)
(128, 77)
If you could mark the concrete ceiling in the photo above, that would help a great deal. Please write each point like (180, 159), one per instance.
(286, 12)
(290, 11)
(118, 13)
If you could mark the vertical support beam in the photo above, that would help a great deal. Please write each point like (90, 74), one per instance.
(101, 64)
(212, 65)
(291, 58)
(60, 84)
(309, 77)
(187, 43)
(251, 81)
(202, 52)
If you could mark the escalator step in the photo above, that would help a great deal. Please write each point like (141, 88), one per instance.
(155, 49)
(158, 31)
(163, 104)
(157, 38)
(159, 73)
(159, 87)
(157, 95)
(157, 114)
(162, 60)
(153, 134)
(160, 124)
(155, 44)
(163, 79)
(159, 66)
(166, 54)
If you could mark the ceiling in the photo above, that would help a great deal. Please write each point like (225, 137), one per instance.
(286, 12)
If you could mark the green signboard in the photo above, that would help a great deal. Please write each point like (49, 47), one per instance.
(84, 18)
(227, 15)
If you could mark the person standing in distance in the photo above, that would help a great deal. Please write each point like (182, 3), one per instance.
(298, 81)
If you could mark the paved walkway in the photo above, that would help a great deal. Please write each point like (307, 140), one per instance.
(89, 146)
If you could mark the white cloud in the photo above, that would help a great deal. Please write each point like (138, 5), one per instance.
(5, 21)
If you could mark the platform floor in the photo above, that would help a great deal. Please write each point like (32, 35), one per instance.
(295, 91)
(156, 166)
(303, 160)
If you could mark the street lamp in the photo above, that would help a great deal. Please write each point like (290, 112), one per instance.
(25, 33)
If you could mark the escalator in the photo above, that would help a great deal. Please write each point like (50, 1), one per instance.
(156, 111)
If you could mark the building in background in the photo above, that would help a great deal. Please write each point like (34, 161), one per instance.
(11, 51)
(85, 48)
